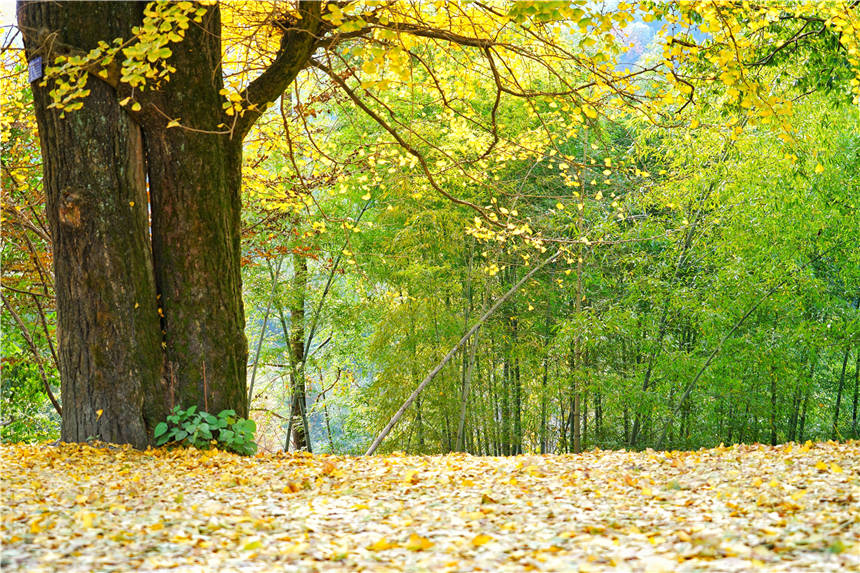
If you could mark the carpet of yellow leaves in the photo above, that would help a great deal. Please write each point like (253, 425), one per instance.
(82, 508)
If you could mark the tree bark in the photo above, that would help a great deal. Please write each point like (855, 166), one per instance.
(298, 404)
(195, 180)
(95, 185)
(835, 430)
(854, 432)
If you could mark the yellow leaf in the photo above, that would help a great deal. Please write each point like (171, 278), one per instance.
(99, 414)
(173, 123)
(296, 549)
(834, 467)
(366, 197)
(418, 543)
(821, 466)
(131, 203)
(481, 540)
(86, 518)
(135, 106)
(819, 168)
(381, 545)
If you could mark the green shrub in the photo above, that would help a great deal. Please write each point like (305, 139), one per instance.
(201, 429)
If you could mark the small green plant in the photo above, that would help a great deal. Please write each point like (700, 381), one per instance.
(201, 429)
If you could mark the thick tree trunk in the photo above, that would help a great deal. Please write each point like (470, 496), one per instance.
(95, 184)
(134, 312)
(195, 181)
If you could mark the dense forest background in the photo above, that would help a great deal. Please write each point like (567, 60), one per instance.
(707, 289)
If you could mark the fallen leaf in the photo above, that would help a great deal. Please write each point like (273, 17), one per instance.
(418, 543)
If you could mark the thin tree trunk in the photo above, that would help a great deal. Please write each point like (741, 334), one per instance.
(543, 406)
(518, 392)
(803, 416)
(275, 276)
(835, 430)
(298, 404)
(773, 437)
(854, 401)
(327, 425)
(795, 413)
(464, 397)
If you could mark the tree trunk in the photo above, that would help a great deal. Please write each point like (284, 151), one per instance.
(298, 404)
(195, 181)
(773, 413)
(835, 430)
(95, 185)
(464, 395)
(803, 416)
(134, 311)
(543, 405)
(854, 432)
(517, 446)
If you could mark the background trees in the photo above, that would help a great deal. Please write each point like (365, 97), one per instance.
(702, 202)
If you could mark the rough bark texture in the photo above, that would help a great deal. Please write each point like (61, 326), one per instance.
(195, 181)
(146, 323)
(95, 185)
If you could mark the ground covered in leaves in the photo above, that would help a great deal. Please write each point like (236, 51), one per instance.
(82, 508)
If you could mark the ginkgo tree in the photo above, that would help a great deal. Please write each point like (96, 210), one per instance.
(143, 109)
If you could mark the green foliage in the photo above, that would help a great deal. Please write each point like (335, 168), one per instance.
(201, 430)
(27, 413)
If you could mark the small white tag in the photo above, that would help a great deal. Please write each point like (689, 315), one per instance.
(35, 69)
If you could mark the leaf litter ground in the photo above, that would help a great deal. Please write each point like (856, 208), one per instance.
(82, 508)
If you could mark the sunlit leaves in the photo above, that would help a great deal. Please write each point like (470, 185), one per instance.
(141, 59)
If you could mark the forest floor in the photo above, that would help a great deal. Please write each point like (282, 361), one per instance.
(81, 508)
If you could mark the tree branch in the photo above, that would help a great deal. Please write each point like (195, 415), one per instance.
(293, 55)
